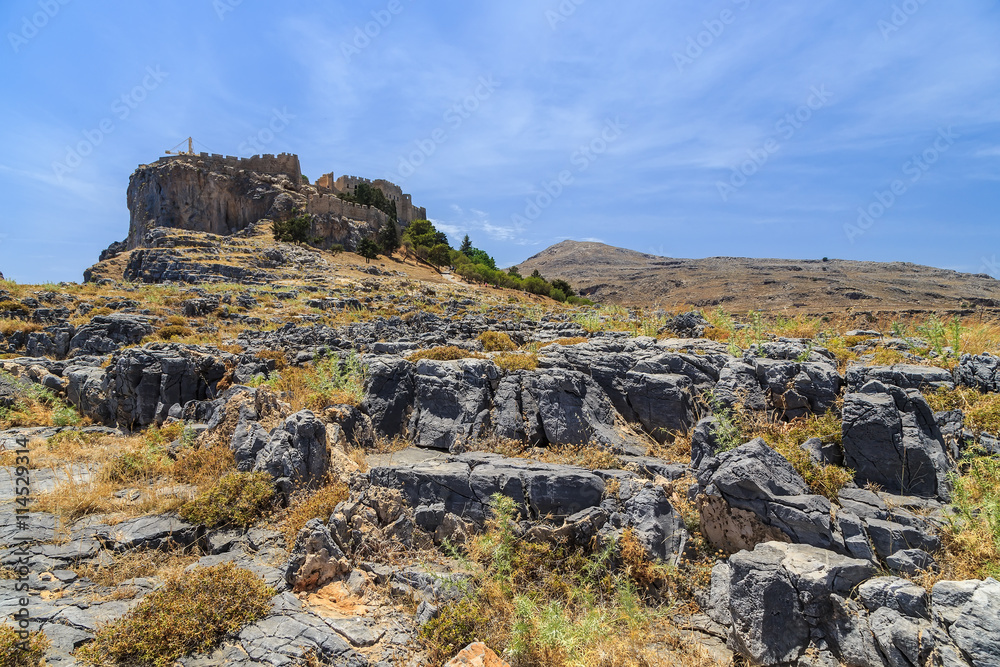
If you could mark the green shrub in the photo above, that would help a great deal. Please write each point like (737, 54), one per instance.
(191, 613)
(496, 341)
(237, 499)
(295, 230)
(173, 331)
(14, 308)
(17, 652)
(444, 353)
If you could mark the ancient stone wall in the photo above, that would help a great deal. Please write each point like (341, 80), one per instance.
(286, 164)
(406, 212)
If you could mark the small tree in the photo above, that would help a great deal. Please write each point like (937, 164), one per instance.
(388, 238)
(563, 286)
(466, 245)
(440, 255)
(367, 249)
(295, 230)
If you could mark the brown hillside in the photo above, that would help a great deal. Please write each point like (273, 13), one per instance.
(626, 277)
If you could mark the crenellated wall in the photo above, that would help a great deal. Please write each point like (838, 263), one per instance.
(406, 212)
(221, 194)
(286, 164)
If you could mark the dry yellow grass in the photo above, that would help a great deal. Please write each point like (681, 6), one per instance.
(318, 504)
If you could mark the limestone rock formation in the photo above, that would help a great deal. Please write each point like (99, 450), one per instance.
(892, 439)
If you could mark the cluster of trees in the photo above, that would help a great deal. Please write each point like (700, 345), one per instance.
(476, 265)
(372, 196)
(430, 245)
(298, 229)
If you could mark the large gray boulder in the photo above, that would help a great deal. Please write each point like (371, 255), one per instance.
(752, 494)
(558, 406)
(296, 454)
(570, 500)
(143, 383)
(904, 376)
(106, 333)
(53, 341)
(388, 394)
(892, 439)
(738, 386)
(657, 525)
(452, 401)
(798, 388)
(663, 403)
(967, 622)
(316, 558)
(463, 484)
(981, 372)
(85, 390)
(778, 596)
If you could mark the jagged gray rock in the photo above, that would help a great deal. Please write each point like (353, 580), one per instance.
(756, 480)
(86, 391)
(388, 394)
(904, 376)
(892, 439)
(143, 383)
(316, 559)
(296, 454)
(778, 595)
(558, 406)
(967, 615)
(452, 401)
(981, 372)
(798, 388)
(106, 333)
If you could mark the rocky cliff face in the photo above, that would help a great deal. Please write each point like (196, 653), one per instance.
(187, 197)
(224, 200)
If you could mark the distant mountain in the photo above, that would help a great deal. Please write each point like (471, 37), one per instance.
(619, 276)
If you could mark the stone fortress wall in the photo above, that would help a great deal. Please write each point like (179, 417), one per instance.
(221, 196)
(406, 212)
(287, 164)
(283, 164)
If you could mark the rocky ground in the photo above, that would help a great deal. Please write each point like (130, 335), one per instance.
(739, 284)
(761, 498)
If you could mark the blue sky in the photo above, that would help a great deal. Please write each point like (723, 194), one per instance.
(687, 129)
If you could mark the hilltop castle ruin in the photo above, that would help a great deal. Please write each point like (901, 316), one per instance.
(220, 194)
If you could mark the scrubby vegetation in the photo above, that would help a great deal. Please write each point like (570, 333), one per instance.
(238, 499)
(972, 539)
(35, 405)
(18, 652)
(190, 613)
(330, 380)
(982, 411)
(537, 604)
(297, 229)
(444, 353)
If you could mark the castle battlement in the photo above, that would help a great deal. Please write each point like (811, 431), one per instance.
(282, 164)
(406, 212)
